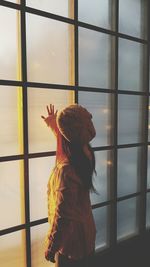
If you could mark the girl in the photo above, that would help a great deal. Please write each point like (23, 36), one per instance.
(71, 237)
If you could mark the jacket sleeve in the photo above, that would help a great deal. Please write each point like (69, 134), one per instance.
(61, 223)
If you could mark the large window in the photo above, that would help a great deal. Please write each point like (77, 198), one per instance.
(95, 53)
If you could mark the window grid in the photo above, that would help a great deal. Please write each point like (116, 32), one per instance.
(24, 84)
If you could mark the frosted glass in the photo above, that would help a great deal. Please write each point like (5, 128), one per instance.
(129, 119)
(59, 7)
(49, 50)
(148, 168)
(132, 17)
(11, 194)
(100, 105)
(95, 59)
(131, 62)
(129, 164)
(13, 250)
(148, 211)
(95, 12)
(41, 137)
(101, 221)
(127, 221)
(101, 182)
(39, 172)
(9, 44)
(38, 234)
(11, 120)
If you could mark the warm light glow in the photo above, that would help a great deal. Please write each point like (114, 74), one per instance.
(108, 127)
(20, 138)
(105, 110)
(149, 126)
(109, 162)
(149, 107)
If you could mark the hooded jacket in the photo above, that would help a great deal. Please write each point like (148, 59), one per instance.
(72, 229)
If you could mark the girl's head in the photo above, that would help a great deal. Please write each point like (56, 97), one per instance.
(75, 124)
(77, 130)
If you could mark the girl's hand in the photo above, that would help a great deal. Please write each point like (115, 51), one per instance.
(51, 119)
(51, 115)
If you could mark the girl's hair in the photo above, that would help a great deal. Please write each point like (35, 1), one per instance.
(82, 165)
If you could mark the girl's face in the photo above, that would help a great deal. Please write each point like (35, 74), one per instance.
(89, 128)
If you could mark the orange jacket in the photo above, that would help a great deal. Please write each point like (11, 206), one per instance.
(72, 228)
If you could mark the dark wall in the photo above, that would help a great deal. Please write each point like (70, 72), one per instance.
(131, 253)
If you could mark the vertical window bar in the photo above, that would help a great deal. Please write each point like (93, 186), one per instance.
(113, 186)
(25, 132)
(145, 128)
(76, 43)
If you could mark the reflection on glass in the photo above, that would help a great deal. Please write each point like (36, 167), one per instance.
(13, 249)
(101, 221)
(129, 160)
(148, 211)
(41, 137)
(129, 118)
(39, 173)
(96, 12)
(38, 235)
(104, 164)
(100, 105)
(10, 121)
(49, 50)
(11, 194)
(59, 7)
(9, 44)
(95, 59)
(127, 221)
(132, 17)
(131, 61)
(148, 168)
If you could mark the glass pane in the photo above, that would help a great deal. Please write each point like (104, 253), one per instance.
(38, 235)
(96, 12)
(129, 119)
(11, 194)
(129, 163)
(59, 7)
(132, 17)
(9, 44)
(100, 105)
(39, 172)
(41, 137)
(148, 169)
(13, 249)
(11, 120)
(49, 50)
(127, 219)
(95, 59)
(102, 180)
(101, 221)
(131, 65)
(148, 211)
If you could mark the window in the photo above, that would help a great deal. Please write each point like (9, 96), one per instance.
(58, 51)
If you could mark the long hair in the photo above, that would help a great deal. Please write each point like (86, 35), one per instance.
(82, 165)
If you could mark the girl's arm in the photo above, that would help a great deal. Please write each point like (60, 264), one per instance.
(51, 119)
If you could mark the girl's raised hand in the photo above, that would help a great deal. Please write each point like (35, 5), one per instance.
(50, 120)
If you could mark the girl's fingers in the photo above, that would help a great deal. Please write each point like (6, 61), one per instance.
(43, 117)
(56, 112)
(48, 110)
(52, 108)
